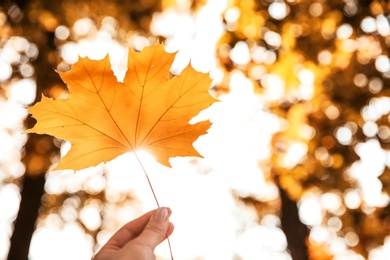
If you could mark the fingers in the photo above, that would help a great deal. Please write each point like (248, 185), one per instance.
(157, 229)
(171, 227)
(127, 233)
(139, 236)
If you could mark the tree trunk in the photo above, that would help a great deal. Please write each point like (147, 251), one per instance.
(32, 191)
(39, 149)
(296, 232)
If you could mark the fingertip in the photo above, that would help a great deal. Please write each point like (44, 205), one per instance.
(161, 215)
(158, 228)
(170, 230)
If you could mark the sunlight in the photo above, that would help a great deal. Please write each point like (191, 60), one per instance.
(373, 160)
(319, 234)
(383, 25)
(78, 244)
(381, 253)
(209, 195)
(62, 32)
(344, 31)
(272, 38)
(375, 85)
(331, 202)
(278, 10)
(351, 239)
(90, 215)
(310, 210)
(23, 92)
(368, 25)
(274, 86)
(325, 57)
(84, 26)
(5, 71)
(295, 153)
(272, 240)
(231, 15)
(344, 135)
(9, 206)
(352, 198)
(9, 202)
(240, 53)
(382, 63)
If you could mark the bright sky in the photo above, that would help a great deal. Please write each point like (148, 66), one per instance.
(209, 221)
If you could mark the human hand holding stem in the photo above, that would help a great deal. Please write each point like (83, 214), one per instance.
(138, 238)
(155, 198)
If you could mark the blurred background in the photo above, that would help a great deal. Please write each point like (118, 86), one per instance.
(296, 163)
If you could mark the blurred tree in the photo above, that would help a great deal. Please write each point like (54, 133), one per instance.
(39, 148)
(320, 65)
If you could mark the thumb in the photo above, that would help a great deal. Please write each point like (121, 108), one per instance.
(156, 229)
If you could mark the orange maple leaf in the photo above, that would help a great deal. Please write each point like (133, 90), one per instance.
(104, 118)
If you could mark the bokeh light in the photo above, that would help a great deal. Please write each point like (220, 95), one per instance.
(303, 109)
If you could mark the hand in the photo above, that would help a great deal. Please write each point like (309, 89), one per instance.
(138, 238)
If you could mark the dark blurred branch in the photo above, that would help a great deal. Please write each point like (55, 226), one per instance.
(296, 232)
(31, 194)
(39, 149)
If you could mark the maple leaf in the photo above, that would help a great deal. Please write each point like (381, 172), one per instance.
(104, 118)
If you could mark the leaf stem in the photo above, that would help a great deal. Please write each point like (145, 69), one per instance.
(154, 195)
(147, 177)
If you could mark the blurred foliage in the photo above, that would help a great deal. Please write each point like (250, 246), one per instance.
(324, 59)
(319, 65)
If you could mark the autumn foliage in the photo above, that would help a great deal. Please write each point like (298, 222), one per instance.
(104, 118)
(321, 67)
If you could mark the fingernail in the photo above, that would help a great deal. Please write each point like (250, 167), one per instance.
(161, 214)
